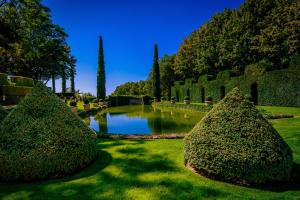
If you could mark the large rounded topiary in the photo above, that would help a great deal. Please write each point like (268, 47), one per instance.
(42, 138)
(233, 142)
(3, 113)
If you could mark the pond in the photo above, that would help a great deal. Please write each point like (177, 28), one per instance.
(143, 120)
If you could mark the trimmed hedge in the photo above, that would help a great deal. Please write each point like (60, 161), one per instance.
(22, 81)
(3, 79)
(200, 108)
(10, 90)
(42, 138)
(124, 100)
(277, 88)
(235, 143)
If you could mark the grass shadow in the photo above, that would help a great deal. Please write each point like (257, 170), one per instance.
(292, 185)
(103, 160)
(107, 143)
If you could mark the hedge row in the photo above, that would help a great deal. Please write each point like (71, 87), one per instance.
(124, 100)
(10, 90)
(280, 87)
(22, 81)
(200, 108)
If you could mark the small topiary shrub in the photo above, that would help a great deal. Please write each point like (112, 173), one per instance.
(86, 101)
(95, 101)
(163, 98)
(3, 113)
(42, 138)
(101, 100)
(173, 98)
(209, 98)
(235, 143)
(186, 98)
(73, 103)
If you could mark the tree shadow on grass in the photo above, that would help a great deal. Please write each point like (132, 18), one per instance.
(103, 160)
(292, 184)
(107, 143)
(127, 178)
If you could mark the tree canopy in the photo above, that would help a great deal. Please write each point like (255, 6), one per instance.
(31, 44)
(258, 30)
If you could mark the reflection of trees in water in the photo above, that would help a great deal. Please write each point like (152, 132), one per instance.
(169, 121)
(155, 122)
(87, 121)
(102, 122)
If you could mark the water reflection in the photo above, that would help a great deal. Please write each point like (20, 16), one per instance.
(102, 122)
(143, 120)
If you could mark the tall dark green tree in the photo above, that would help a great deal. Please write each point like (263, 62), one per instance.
(101, 72)
(156, 75)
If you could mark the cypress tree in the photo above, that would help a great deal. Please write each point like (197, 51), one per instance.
(53, 83)
(101, 72)
(156, 76)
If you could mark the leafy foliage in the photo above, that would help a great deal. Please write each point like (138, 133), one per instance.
(258, 30)
(31, 44)
(132, 88)
(234, 142)
(167, 77)
(42, 138)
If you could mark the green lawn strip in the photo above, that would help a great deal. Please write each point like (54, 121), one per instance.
(281, 110)
(149, 169)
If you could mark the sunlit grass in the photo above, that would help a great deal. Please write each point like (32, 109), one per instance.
(149, 169)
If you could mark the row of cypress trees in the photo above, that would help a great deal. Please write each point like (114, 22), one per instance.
(156, 91)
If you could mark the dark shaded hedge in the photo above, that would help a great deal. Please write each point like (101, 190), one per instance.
(3, 79)
(268, 90)
(11, 90)
(234, 142)
(22, 81)
(3, 113)
(42, 138)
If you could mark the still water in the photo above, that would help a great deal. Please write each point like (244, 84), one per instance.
(143, 120)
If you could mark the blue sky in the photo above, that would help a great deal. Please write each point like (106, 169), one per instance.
(129, 29)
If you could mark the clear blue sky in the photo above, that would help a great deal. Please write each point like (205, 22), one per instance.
(129, 29)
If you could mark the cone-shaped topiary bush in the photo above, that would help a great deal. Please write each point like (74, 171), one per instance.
(3, 113)
(235, 143)
(42, 138)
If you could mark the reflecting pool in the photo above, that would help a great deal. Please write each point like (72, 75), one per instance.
(143, 120)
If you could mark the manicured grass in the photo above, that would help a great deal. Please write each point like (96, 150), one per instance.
(150, 169)
(281, 110)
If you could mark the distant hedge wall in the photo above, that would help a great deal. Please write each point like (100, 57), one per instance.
(22, 81)
(13, 91)
(278, 88)
(124, 100)
(13, 94)
(200, 108)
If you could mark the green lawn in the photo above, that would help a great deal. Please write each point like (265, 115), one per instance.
(152, 169)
